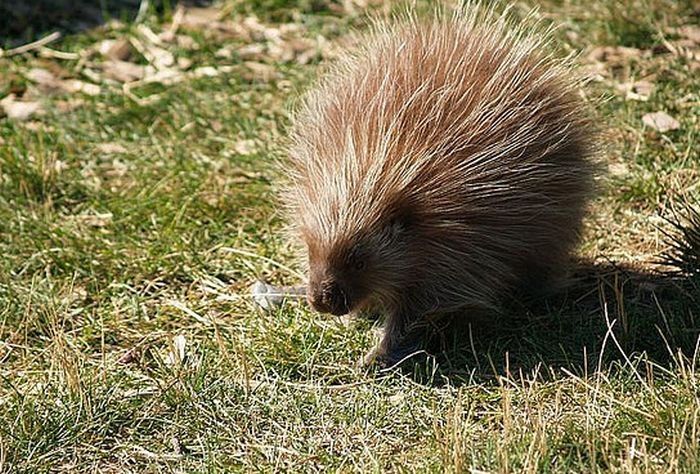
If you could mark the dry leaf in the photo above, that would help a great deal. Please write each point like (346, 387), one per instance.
(644, 88)
(160, 58)
(110, 148)
(35, 126)
(595, 71)
(49, 83)
(255, 28)
(123, 71)
(120, 50)
(618, 169)
(19, 110)
(307, 56)
(186, 42)
(206, 71)
(614, 54)
(199, 18)
(303, 48)
(216, 125)
(261, 71)
(178, 351)
(660, 121)
(397, 398)
(291, 29)
(225, 53)
(68, 105)
(253, 51)
(639, 90)
(280, 52)
(130, 357)
(208, 20)
(184, 63)
(103, 46)
(692, 32)
(165, 77)
(40, 75)
(116, 169)
(94, 220)
(74, 85)
(45, 80)
(245, 147)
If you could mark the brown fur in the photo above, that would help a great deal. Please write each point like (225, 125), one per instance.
(439, 167)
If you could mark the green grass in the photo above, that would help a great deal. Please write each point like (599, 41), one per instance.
(108, 258)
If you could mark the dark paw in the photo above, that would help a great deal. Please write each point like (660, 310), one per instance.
(385, 359)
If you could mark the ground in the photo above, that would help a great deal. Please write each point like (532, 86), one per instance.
(138, 204)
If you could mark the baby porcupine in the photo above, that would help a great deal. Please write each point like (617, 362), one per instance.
(438, 167)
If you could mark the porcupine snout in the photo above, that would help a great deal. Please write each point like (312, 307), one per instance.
(328, 296)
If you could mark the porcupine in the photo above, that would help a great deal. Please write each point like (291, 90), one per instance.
(441, 165)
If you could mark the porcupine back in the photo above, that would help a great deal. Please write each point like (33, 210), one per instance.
(466, 123)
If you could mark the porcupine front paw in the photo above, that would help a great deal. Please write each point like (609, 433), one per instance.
(384, 355)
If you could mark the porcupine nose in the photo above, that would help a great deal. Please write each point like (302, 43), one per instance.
(329, 297)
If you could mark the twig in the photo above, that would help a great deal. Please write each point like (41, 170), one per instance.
(392, 367)
(45, 52)
(177, 19)
(31, 46)
(143, 10)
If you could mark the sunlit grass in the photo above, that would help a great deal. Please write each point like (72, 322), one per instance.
(129, 341)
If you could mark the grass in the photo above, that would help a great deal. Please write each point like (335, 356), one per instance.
(128, 342)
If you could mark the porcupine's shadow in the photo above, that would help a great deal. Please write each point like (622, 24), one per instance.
(653, 313)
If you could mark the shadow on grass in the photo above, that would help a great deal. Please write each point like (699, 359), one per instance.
(609, 313)
(23, 21)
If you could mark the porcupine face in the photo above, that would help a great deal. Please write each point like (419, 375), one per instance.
(348, 272)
